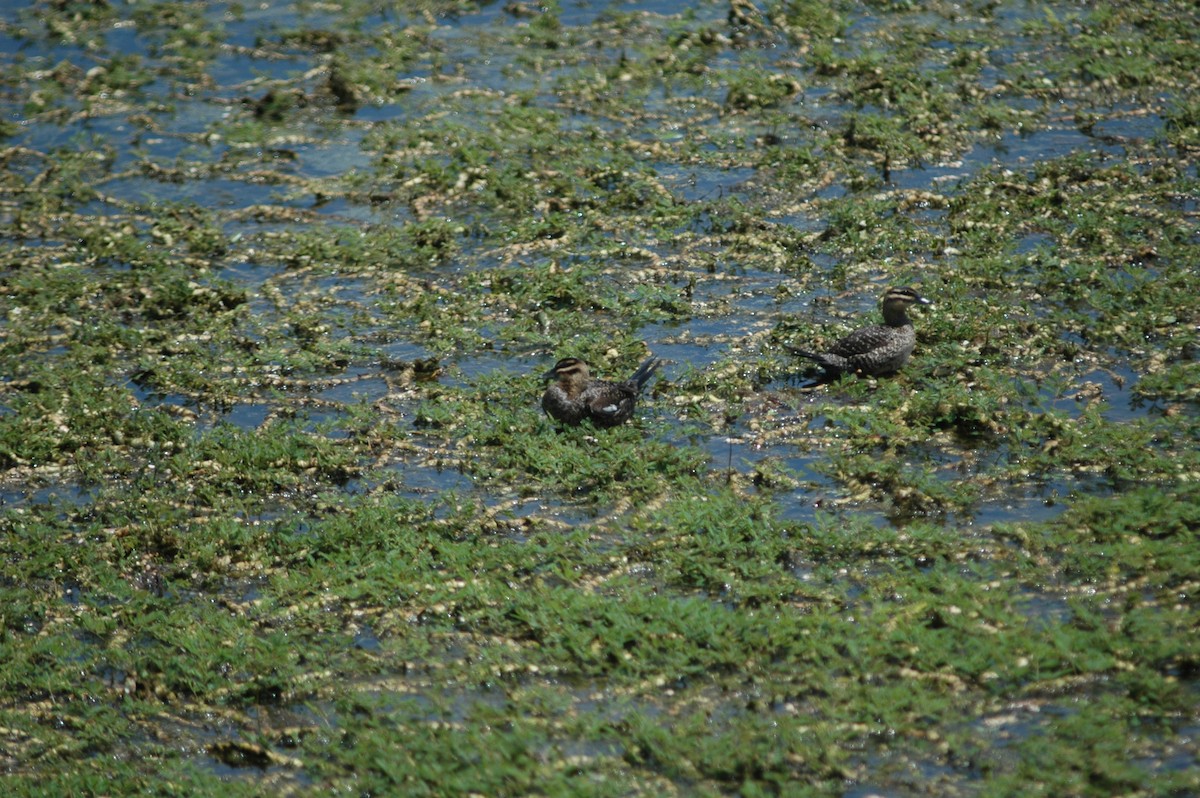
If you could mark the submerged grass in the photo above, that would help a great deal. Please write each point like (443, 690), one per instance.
(280, 512)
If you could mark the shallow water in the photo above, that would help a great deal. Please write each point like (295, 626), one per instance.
(737, 223)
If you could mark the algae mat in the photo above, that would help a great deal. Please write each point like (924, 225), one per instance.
(280, 513)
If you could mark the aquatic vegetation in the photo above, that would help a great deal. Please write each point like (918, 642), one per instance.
(279, 511)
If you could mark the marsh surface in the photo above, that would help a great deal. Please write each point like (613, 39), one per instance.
(280, 513)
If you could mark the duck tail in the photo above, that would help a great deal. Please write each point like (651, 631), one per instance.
(804, 353)
(645, 371)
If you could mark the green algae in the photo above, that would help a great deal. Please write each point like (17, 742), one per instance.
(280, 511)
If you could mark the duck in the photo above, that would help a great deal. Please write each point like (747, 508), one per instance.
(574, 395)
(878, 349)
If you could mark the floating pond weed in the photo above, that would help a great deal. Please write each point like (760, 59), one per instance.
(279, 510)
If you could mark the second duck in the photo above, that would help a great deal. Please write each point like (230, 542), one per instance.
(879, 348)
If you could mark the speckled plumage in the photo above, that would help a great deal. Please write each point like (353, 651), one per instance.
(575, 396)
(878, 349)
